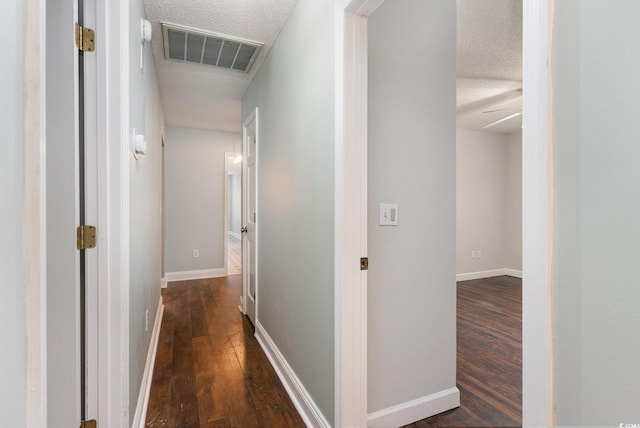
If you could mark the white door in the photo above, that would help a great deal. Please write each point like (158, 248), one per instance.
(71, 334)
(249, 219)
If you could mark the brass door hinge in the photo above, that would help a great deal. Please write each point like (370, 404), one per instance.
(364, 263)
(89, 424)
(86, 237)
(85, 38)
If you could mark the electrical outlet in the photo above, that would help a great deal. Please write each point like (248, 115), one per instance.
(478, 254)
(146, 320)
(196, 254)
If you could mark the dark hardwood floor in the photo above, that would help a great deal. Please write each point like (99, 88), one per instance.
(489, 361)
(210, 371)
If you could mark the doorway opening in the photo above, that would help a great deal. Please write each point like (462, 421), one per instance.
(489, 210)
(233, 212)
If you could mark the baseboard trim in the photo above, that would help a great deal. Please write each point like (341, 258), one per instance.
(186, 275)
(234, 234)
(163, 283)
(139, 418)
(415, 410)
(513, 272)
(488, 274)
(309, 411)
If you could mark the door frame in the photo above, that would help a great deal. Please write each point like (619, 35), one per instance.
(537, 210)
(112, 22)
(351, 203)
(112, 184)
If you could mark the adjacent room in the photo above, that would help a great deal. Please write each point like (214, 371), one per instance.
(489, 214)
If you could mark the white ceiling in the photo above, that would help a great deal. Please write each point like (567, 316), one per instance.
(200, 96)
(489, 56)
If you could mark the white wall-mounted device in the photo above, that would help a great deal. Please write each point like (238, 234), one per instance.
(138, 144)
(145, 36)
(388, 214)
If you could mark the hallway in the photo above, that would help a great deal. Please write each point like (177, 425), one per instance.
(210, 370)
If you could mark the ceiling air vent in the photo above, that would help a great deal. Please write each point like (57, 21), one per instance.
(186, 44)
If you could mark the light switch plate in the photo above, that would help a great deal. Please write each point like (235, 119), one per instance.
(388, 214)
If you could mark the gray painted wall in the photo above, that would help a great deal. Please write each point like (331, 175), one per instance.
(489, 200)
(294, 90)
(514, 201)
(145, 199)
(13, 353)
(235, 201)
(412, 134)
(62, 278)
(596, 297)
(194, 197)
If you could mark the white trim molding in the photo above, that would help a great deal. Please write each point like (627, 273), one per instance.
(537, 237)
(513, 272)
(187, 275)
(415, 410)
(302, 400)
(139, 418)
(351, 115)
(488, 274)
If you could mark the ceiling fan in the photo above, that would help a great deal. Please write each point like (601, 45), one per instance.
(504, 119)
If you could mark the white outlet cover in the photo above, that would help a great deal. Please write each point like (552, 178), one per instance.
(388, 214)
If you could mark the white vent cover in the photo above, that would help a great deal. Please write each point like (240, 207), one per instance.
(186, 44)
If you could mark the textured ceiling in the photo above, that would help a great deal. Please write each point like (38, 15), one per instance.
(489, 58)
(198, 96)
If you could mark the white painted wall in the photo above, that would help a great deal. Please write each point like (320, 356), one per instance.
(412, 162)
(194, 197)
(294, 90)
(13, 353)
(145, 204)
(489, 201)
(596, 245)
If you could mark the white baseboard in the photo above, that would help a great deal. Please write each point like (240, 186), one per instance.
(234, 234)
(513, 272)
(309, 411)
(415, 410)
(163, 283)
(488, 274)
(186, 275)
(139, 418)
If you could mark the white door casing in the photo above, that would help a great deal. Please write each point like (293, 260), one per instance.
(351, 211)
(90, 199)
(249, 216)
(72, 201)
(52, 96)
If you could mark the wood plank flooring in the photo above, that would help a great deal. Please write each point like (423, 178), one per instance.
(210, 371)
(489, 360)
(234, 255)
